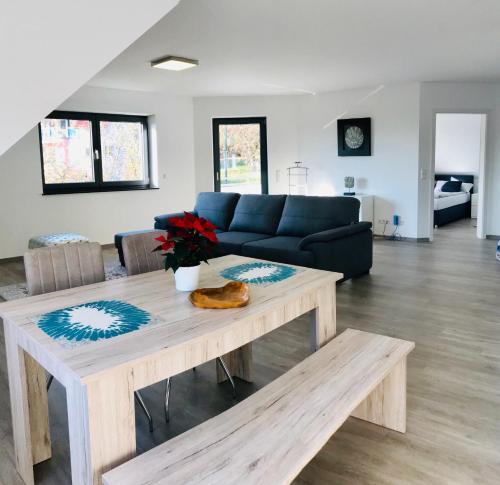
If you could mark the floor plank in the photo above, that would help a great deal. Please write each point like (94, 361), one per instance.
(444, 296)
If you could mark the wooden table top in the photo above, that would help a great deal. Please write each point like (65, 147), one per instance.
(180, 323)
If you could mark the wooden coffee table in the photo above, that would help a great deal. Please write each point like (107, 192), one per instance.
(100, 377)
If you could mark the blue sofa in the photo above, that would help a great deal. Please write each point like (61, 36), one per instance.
(316, 232)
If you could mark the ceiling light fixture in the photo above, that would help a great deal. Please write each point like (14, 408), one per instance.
(174, 63)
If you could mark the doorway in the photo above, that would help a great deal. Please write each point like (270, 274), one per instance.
(240, 155)
(459, 171)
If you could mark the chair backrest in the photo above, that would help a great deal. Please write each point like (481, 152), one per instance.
(138, 252)
(61, 267)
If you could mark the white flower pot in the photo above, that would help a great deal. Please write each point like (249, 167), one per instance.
(187, 278)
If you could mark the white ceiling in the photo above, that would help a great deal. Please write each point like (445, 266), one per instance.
(292, 46)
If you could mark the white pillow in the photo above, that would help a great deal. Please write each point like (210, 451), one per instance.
(439, 186)
(466, 187)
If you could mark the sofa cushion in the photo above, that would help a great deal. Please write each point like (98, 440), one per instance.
(217, 207)
(231, 242)
(304, 215)
(258, 213)
(282, 249)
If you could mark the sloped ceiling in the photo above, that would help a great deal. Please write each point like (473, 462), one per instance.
(49, 49)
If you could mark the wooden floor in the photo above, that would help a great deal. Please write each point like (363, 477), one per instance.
(444, 296)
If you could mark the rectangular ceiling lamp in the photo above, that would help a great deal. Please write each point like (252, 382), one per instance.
(173, 63)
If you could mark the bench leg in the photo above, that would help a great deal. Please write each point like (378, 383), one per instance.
(323, 317)
(386, 404)
(239, 364)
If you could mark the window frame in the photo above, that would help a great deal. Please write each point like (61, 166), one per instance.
(98, 185)
(247, 120)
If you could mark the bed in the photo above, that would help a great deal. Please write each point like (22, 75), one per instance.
(453, 207)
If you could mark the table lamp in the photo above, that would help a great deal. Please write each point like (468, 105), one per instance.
(349, 185)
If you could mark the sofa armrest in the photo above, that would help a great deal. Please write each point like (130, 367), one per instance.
(161, 222)
(333, 234)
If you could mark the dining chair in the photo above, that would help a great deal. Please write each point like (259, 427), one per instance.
(61, 267)
(140, 257)
(56, 268)
(139, 254)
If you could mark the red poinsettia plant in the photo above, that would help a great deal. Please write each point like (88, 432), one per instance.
(189, 241)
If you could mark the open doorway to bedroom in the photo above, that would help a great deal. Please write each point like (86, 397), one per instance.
(459, 166)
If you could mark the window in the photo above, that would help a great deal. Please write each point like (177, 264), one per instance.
(240, 155)
(93, 152)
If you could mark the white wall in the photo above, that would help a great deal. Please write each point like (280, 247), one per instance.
(296, 131)
(50, 49)
(25, 212)
(390, 173)
(458, 143)
(460, 98)
(402, 137)
(282, 134)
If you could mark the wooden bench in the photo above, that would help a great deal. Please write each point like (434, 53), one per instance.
(270, 436)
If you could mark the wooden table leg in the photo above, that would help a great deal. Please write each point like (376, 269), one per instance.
(38, 409)
(324, 328)
(101, 420)
(324, 317)
(386, 404)
(19, 405)
(239, 364)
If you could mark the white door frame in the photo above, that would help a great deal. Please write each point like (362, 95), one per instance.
(481, 207)
(481, 201)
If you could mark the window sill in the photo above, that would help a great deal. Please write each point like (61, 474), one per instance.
(85, 190)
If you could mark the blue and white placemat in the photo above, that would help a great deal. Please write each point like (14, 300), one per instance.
(93, 321)
(258, 273)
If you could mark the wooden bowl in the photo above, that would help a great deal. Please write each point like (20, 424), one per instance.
(233, 295)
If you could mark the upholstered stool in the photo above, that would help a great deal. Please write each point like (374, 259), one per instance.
(56, 239)
(121, 235)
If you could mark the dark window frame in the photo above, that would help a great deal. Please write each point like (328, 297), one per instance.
(98, 185)
(259, 120)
